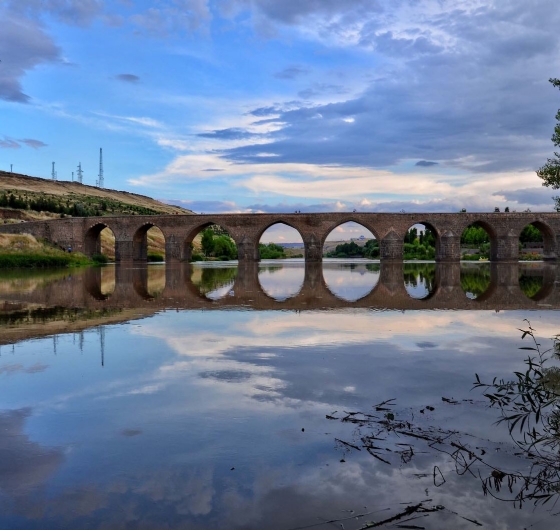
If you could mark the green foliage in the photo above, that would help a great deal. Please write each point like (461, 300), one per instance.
(550, 172)
(39, 260)
(371, 249)
(475, 280)
(207, 242)
(420, 273)
(475, 236)
(155, 257)
(271, 251)
(529, 407)
(416, 250)
(213, 278)
(531, 234)
(74, 205)
(221, 247)
(99, 258)
(531, 285)
(352, 250)
(225, 248)
(419, 245)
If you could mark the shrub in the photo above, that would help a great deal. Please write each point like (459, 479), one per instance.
(99, 258)
(155, 257)
(37, 260)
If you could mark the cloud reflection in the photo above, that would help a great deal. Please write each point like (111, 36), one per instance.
(280, 281)
(360, 282)
(24, 464)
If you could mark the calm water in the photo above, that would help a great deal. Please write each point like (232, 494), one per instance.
(211, 397)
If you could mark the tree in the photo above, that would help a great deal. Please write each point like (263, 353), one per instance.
(550, 172)
(224, 247)
(207, 242)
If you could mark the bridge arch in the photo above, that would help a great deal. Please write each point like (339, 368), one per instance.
(276, 223)
(140, 241)
(188, 252)
(349, 219)
(492, 237)
(422, 244)
(364, 244)
(92, 238)
(547, 238)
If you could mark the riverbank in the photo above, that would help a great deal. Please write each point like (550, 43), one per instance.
(24, 251)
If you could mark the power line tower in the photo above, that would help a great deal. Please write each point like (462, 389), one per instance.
(101, 181)
(53, 173)
(72, 176)
(80, 173)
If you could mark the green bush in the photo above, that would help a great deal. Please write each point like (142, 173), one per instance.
(155, 257)
(271, 251)
(36, 260)
(99, 258)
(530, 256)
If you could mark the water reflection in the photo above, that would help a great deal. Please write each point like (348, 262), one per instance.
(212, 281)
(198, 418)
(351, 281)
(419, 279)
(525, 470)
(294, 286)
(475, 279)
(534, 281)
(281, 281)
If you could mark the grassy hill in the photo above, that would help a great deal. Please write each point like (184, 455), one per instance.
(30, 198)
(25, 198)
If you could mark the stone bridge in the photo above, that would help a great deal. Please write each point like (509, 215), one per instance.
(83, 289)
(83, 234)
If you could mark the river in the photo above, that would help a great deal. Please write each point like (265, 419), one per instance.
(273, 396)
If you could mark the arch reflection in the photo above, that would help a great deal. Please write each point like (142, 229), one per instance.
(536, 280)
(351, 281)
(213, 282)
(475, 279)
(100, 282)
(389, 286)
(420, 280)
(281, 281)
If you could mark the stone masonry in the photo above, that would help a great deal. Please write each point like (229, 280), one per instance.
(82, 234)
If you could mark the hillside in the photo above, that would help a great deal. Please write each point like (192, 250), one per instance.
(29, 198)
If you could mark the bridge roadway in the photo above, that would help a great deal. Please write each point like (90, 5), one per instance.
(83, 234)
(83, 290)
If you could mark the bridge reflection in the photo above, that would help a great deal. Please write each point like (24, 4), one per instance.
(180, 286)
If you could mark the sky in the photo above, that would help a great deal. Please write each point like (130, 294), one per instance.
(269, 105)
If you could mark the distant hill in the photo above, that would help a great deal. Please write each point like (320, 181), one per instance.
(29, 198)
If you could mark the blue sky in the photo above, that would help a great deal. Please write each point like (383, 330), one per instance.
(268, 105)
